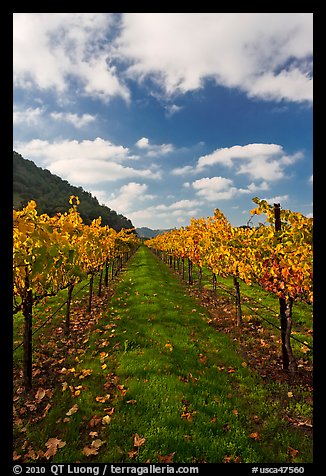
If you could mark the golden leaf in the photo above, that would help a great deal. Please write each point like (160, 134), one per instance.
(73, 410)
(138, 440)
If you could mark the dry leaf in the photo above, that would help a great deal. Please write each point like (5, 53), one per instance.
(46, 409)
(186, 415)
(16, 456)
(40, 394)
(255, 436)
(132, 454)
(97, 443)
(95, 421)
(52, 446)
(131, 402)
(166, 459)
(138, 440)
(100, 399)
(92, 434)
(106, 420)
(293, 452)
(73, 410)
(88, 451)
(235, 412)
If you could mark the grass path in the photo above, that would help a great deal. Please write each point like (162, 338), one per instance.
(160, 385)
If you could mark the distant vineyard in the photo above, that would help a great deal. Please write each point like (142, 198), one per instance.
(277, 255)
(55, 253)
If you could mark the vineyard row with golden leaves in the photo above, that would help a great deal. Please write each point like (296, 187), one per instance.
(279, 261)
(51, 253)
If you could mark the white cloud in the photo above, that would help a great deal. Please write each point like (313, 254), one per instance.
(154, 150)
(128, 196)
(265, 162)
(215, 188)
(172, 109)
(85, 162)
(28, 116)
(76, 120)
(267, 55)
(163, 215)
(143, 143)
(277, 199)
(221, 188)
(186, 169)
(50, 49)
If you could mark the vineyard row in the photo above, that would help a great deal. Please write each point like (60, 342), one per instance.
(55, 253)
(277, 255)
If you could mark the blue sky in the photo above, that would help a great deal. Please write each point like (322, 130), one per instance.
(164, 117)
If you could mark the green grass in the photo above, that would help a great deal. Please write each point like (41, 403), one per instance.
(187, 391)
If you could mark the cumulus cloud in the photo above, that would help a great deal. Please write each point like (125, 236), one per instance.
(166, 215)
(76, 120)
(277, 199)
(153, 150)
(50, 49)
(222, 188)
(30, 116)
(84, 162)
(266, 55)
(259, 161)
(128, 196)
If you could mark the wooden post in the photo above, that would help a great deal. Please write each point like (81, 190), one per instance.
(27, 308)
(67, 325)
(106, 276)
(100, 284)
(200, 278)
(214, 287)
(190, 271)
(91, 280)
(237, 300)
(288, 359)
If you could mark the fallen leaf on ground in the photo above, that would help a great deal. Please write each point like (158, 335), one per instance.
(73, 410)
(166, 459)
(52, 446)
(255, 436)
(89, 451)
(293, 452)
(101, 399)
(47, 408)
(95, 421)
(138, 440)
(186, 415)
(106, 420)
(40, 394)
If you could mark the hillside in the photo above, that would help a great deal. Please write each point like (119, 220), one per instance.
(52, 194)
(145, 232)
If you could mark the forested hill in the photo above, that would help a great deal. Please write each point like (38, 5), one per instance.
(52, 193)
